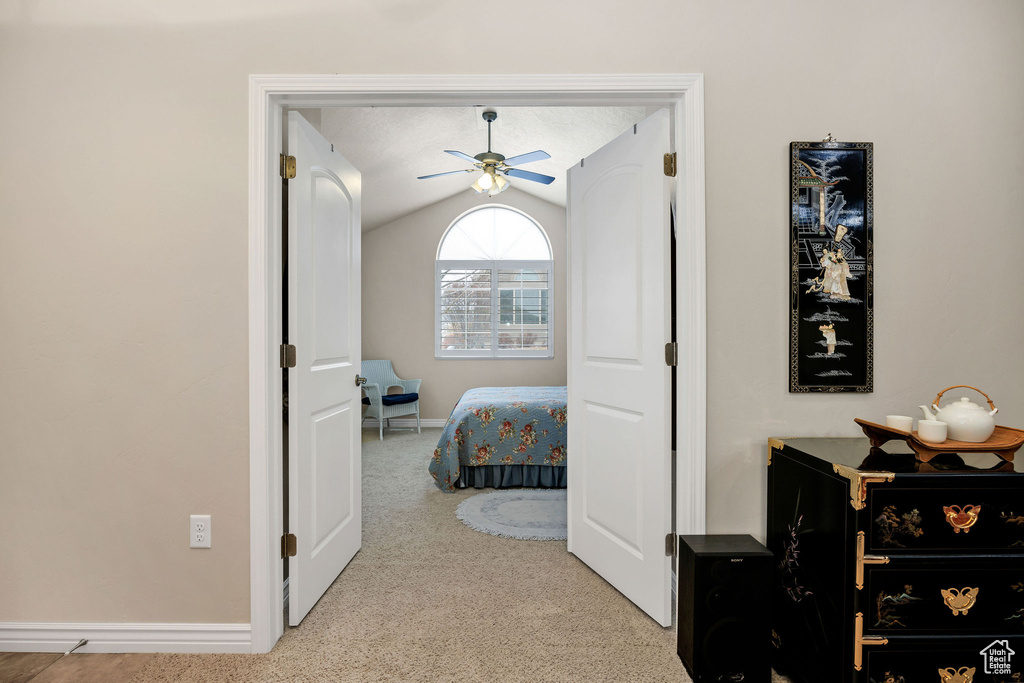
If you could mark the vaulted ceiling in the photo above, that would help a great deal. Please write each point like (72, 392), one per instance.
(391, 146)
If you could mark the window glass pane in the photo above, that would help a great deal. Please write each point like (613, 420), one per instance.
(523, 315)
(507, 306)
(492, 234)
(465, 309)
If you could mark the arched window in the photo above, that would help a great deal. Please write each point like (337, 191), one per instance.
(493, 293)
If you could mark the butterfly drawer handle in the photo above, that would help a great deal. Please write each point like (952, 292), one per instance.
(962, 519)
(962, 675)
(959, 600)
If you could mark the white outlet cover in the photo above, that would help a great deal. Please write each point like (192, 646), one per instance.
(199, 531)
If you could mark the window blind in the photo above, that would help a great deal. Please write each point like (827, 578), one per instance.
(494, 309)
(465, 295)
(523, 309)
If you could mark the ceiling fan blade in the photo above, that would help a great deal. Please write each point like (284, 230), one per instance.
(462, 155)
(539, 155)
(528, 175)
(435, 175)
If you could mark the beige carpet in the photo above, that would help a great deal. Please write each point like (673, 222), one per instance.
(429, 599)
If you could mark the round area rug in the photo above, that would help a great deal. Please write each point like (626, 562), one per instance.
(525, 514)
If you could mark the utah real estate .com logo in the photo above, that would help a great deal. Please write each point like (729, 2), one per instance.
(997, 657)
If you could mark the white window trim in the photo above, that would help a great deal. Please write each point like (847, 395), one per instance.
(494, 352)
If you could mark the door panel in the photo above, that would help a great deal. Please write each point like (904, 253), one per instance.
(324, 402)
(620, 476)
(333, 504)
(610, 253)
(330, 246)
(611, 434)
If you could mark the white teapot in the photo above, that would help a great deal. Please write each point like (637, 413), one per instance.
(965, 420)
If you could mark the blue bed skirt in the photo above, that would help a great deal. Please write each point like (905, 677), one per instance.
(506, 476)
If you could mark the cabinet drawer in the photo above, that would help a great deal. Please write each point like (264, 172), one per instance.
(946, 520)
(944, 597)
(964, 660)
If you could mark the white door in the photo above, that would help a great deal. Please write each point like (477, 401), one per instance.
(620, 471)
(324, 402)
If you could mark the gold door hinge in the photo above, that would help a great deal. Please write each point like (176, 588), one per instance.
(670, 165)
(672, 354)
(288, 355)
(863, 559)
(670, 545)
(287, 167)
(289, 545)
(860, 640)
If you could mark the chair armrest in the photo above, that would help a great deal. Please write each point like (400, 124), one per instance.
(373, 393)
(411, 386)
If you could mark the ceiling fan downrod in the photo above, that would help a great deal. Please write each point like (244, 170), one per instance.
(489, 116)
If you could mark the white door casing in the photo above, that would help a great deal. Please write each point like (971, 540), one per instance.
(324, 412)
(271, 94)
(619, 475)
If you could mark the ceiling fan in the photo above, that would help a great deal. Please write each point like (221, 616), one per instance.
(495, 166)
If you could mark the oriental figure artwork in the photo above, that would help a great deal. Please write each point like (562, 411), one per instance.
(831, 228)
(830, 336)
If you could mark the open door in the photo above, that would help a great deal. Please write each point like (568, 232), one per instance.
(324, 468)
(620, 474)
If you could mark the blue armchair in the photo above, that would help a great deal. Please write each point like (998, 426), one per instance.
(380, 377)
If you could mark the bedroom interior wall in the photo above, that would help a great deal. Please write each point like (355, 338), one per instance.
(123, 247)
(398, 302)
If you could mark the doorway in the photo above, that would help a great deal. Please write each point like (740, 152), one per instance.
(270, 94)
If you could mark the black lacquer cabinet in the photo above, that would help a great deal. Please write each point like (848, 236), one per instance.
(890, 570)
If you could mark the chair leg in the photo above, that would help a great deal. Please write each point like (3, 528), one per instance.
(417, 419)
(380, 422)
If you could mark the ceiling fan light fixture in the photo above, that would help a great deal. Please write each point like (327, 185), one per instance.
(500, 185)
(486, 181)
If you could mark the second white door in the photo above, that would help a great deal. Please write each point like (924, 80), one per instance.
(620, 471)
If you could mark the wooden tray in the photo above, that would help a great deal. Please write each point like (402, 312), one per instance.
(1004, 441)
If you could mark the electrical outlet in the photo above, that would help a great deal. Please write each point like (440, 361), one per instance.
(199, 531)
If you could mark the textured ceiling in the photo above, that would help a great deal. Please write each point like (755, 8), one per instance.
(391, 146)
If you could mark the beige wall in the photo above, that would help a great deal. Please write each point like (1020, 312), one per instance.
(398, 303)
(123, 243)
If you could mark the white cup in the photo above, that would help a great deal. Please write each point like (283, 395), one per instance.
(931, 431)
(901, 422)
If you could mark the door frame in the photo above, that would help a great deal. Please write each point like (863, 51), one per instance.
(270, 94)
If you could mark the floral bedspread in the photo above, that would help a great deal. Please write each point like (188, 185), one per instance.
(502, 426)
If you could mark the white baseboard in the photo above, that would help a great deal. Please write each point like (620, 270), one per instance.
(405, 422)
(206, 638)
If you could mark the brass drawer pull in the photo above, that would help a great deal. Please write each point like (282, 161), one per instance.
(961, 519)
(962, 675)
(959, 600)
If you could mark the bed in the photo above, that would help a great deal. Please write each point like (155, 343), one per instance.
(503, 437)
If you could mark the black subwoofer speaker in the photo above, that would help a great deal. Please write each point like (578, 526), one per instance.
(724, 631)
